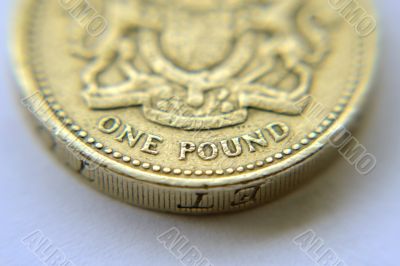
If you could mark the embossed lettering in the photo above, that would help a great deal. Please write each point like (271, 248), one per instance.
(237, 147)
(109, 124)
(185, 148)
(259, 139)
(150, 145)
(278, 131)
(128, 134)
(213, 153)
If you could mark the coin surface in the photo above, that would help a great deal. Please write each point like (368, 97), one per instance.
(194, 106)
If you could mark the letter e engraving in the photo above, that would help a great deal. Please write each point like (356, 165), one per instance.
(245, 195)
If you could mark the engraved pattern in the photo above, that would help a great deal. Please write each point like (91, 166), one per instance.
(214, 60)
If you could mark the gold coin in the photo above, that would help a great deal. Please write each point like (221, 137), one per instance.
(194, 106)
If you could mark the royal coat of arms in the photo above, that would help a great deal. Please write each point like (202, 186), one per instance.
(203, 64)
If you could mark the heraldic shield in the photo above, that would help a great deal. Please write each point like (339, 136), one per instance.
(200, 65)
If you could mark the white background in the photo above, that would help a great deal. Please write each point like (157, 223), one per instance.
(358, 217)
